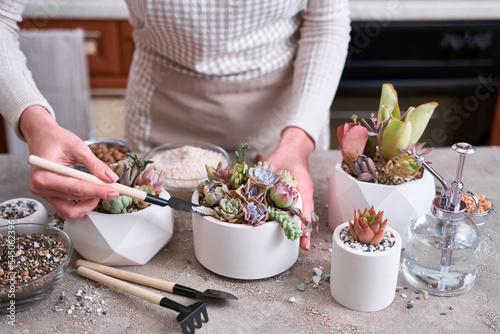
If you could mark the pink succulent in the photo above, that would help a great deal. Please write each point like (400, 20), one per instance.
(368, 226)
(352, 138)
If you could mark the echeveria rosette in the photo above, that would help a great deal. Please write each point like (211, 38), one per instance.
(352, 138)
(283, 196)
(255, 214)
(405, 167)
(401, 131)
(251, 192)
(230, 210)
(288, 178)
(116, 205)
(262, 173)
(368, 226)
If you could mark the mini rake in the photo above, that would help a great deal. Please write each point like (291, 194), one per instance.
(187, 317)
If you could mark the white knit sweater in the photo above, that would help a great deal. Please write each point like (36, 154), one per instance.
(230, 40)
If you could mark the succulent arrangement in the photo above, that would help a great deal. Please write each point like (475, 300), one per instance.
(134, 174)
(388, 157)
(253, 195)
(368, 226)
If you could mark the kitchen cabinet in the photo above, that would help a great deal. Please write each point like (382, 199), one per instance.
(108, 44)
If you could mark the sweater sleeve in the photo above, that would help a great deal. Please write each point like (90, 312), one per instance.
(321, 54)
(18, 91)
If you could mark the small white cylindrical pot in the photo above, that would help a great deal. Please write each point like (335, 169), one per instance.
(400, 203)
(364, 281)
(242, 251)
(122, 239)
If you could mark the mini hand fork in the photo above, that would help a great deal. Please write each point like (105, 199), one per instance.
(187, 317)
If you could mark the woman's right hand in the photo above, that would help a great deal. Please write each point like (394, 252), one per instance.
(70, 197)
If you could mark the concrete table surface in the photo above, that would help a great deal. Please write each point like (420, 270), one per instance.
(264, 305)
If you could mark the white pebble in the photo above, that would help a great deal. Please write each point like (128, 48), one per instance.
(316, 279)
(403, 295)
(318, 271)
(292, 300)
(70, 311)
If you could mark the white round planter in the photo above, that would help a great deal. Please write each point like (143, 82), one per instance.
(242, 251)
(400, 203)
(364, 281)
(39, 216)
(122, 239)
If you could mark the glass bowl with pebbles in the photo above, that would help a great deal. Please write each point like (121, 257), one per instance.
(33, 260)
(23, 211)
(184, 162)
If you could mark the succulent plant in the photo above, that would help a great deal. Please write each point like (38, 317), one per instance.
(364, 168)
(401, 131)
(283, 196)
(129, 171)
(153, 177)
(252, 192)
(230, 210)
(219, 174)
(291, 228)
(404, 166)
(352, 138)
(288, 178)
(262, 173)
(240, 170)
(255, 214)
(368, 226)
(116, 205)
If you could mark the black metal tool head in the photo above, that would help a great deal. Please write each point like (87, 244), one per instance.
(188, 318)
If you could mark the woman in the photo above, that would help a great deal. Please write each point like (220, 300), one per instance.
(262, 72)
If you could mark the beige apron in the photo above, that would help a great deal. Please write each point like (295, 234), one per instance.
(184, 108)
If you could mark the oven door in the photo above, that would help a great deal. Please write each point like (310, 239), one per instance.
(455, 64)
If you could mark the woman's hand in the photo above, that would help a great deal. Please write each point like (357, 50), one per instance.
(292, 154)
(71, 198)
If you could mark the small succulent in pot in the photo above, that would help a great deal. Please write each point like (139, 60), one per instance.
(368, 226)
(385, 158)
(254, 196)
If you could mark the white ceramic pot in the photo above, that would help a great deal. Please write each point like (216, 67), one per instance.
(122, 239)
(400, 204)
(39, 216)
(242, 251)
(364, 281)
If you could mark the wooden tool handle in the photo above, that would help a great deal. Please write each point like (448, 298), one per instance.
(120, 285)
(128, 276)
(68, 171)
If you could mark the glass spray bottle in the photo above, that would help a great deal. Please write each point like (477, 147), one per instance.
(442, 250)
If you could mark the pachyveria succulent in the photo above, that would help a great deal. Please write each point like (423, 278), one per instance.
(254, 196)
(364, 168)
(368, 226)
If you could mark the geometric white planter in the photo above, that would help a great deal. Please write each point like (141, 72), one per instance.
(364, 281)
(122, 239)
(400, 203)
(242, 251)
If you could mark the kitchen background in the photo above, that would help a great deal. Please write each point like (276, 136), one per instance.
(443, 51)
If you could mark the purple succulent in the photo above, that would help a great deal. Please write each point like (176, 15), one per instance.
(255, 214)
(261, 174)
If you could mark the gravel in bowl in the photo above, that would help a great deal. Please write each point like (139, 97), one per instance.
(184, 162)
(33, 260)
(109, 151)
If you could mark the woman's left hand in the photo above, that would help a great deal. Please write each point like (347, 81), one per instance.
(292, 154)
